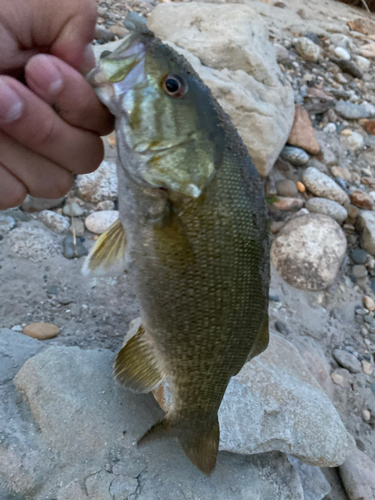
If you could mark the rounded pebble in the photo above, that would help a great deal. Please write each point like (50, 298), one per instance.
(342, 53)
(368, 303)
(301, 187)
(359, 271)
(73, 210)
(41, 331)
(287, 188)
(327, 207)
(359, 256)
(296, 156)
(98, 222)
(6, 223)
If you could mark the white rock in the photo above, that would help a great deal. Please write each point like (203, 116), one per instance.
(73, 210)
(307, 49)
(99, 185)
(330, 128)
(33, 241)
(6, 223)
(274, 403)
(323, 186)
(308, 251)
(55, 222)
(340, 40)
(228, 47)
(98, 222)
(354, 141)
(365, 225)
(363, 63)
(327, 207)
(106, 205)
(342, 54)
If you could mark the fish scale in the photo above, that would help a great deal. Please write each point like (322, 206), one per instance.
(193, 227)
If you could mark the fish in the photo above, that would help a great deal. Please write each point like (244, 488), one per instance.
(192, 234)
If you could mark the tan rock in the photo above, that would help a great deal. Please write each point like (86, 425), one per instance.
(367, 367)
(302, 134)
(353, 211)
(366, 415)
(286, 204)
(368, 303)
(367, 50)
(341, 172)
(361, 199)
(362, 25)
(338, 380)
(119, 31)
(41, 331)
(346, 132)
(370, 127)
(301, 187)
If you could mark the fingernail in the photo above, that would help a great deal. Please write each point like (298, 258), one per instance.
(44, 74)
(10, 104)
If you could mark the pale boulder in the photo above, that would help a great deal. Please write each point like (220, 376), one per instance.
(228, 47)
(274, 403)
(308, 251)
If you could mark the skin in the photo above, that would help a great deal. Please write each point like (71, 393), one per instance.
(49, 128)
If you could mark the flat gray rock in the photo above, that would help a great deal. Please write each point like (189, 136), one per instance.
(73, 437)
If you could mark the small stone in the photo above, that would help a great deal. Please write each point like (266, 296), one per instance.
(370, 127)
(6, 223)
(55, 222)
(330, 128)
(301, 187)
(363, 63)
(327, 207)
(368, 50)
(354, 141)
(287, 188)
(365, 225)
(275, 226)
(31, 204)
(366, 416)
(98, 222)
(372, 387)
(338, 380)
(78, 226)
(359, 257)
(41, 331)
(296, 156)
(307, 49)
(274, 297)
(281, 327)
(351, 111)
(302, 134)
(359, 271)
(102, 33)
(341, 183)
(347, 360)
(353, 211)
(346, 132)
(368, 319)
(342, 53)
(119, 31)
(71, 252)
(100, 185)
(361, 199)
(323, 186)
(286, 204)
(366, 367)
(350, 67)
(106, 205)
(73, 210)
(368, 303)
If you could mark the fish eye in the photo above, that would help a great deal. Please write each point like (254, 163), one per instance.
(175, 86)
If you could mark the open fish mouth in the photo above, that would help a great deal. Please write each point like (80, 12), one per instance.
(119, 72)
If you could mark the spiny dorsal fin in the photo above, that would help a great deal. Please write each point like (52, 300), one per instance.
(108, 254)
(136, 366)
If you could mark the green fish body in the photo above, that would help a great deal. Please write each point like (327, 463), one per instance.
(193, 236)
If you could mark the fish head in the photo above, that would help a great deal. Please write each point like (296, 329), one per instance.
(163, 116)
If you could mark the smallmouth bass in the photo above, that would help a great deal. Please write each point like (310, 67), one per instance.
(192, 234)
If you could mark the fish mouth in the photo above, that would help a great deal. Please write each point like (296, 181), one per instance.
(119, 72)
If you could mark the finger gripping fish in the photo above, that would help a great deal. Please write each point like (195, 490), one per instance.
(192, 234)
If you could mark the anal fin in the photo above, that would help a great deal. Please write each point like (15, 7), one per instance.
(136, 366)
(108, 254)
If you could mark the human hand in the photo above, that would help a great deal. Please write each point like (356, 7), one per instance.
(41, 147)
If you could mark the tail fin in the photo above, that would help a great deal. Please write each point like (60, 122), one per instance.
(199, 439)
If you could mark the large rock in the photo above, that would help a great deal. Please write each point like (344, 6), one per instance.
(365, 224)
(275, 403)
(100, 185)
(78, 442)
(321, 185)
(358, 475)
(228, 47)
(33, 241)
(315, 485)
(308, 251)
(302, 134)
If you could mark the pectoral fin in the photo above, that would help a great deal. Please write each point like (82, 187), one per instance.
(136, 366)
(108, 254)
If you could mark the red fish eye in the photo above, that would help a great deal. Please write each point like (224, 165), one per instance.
(175, 86)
